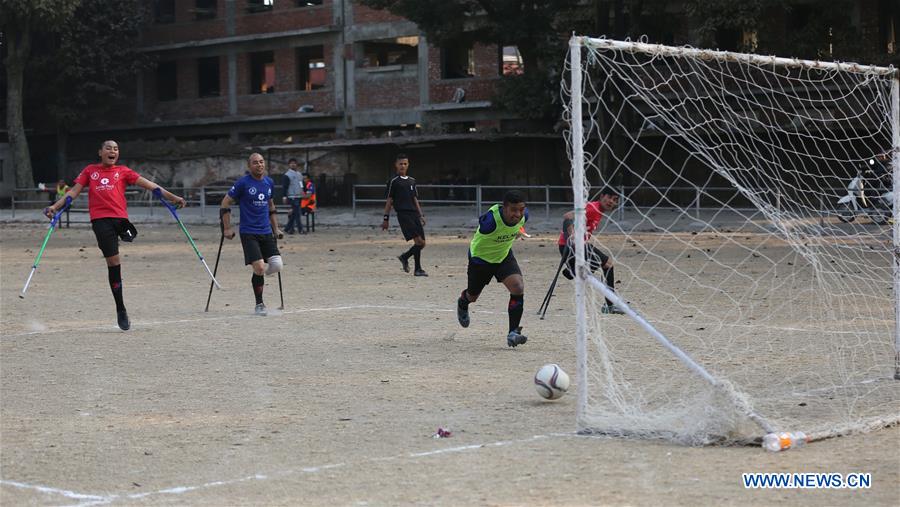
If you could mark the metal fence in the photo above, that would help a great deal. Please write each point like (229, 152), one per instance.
(207, 199)
(478, 196)
(634, 197)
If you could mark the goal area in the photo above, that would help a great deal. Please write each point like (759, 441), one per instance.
(758, 296)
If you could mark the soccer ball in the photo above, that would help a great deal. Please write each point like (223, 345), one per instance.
(551, 381)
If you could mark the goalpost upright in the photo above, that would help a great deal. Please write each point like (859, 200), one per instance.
(615, 398)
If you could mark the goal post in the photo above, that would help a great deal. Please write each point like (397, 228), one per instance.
(752, 304)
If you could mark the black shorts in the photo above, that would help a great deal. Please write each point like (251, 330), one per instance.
(258, 247)
(480, 274)
(595, 257)
(107, 231)
(410, 224)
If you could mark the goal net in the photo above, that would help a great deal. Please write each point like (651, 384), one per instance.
(755, 301)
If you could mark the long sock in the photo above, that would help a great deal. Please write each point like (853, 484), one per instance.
(463, 301)
(417, 254)
(409, 253)
(610, 280)
(259, 282)
(115, 284)
(515, 309)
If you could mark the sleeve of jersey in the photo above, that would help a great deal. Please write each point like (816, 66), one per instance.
(487, 224)
(387, 190)
(82, 178)
(235, 191)
(131, 176)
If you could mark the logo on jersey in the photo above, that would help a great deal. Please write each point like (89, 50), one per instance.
(104, 181)
(116, 176)
(252, 190)
(95, 175)
(261, 197)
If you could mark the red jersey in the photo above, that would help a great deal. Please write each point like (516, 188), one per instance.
(592, 216)
(106, 189)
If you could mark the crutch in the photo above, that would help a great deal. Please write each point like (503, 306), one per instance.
(216, 268)
(280, 291)
(158, 193)
(37, 260)
(542, 311)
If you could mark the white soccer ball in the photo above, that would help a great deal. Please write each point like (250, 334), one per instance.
(551, 381)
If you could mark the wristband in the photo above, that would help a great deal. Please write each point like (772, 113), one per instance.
(386, 217)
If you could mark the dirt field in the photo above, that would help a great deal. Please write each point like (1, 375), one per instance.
(333, 401)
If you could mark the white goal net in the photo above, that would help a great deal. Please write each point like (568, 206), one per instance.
(762, 281)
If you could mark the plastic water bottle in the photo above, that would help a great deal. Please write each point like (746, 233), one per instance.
(784, 440)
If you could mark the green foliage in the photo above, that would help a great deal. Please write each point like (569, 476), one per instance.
(40, 15)
(532, 96)
(814, 29)
(86, 65)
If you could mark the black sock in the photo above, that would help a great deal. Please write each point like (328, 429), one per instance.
(515, 309)
(417, 254)
(258, 282)
(463, 301)
(115, 285)
(610, 280)
(409, 253)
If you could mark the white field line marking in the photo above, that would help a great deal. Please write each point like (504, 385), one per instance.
(238, 316)
(178, 490)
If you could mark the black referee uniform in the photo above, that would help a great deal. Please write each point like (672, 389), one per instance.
(402, 192)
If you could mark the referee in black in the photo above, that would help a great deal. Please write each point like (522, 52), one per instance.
(401, 194)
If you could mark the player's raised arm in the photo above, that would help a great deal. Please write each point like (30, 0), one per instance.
(177, 201)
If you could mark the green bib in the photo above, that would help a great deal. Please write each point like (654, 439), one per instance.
(494, 247)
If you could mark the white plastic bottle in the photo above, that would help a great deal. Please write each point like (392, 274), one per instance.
(784, 440)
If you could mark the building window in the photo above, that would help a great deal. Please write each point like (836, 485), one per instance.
(166, 81)
(395, 51)
(163, 11)
(308, 3)
(262, 72)
(208, 77)
(260, 5)
(205, 9)
(511, 61)
(457, 61)
(311, 70)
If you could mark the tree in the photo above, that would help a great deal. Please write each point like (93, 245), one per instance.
(815, 29)
(20, 20)
(69, 84)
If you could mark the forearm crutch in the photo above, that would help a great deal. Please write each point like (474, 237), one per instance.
(542, 311)
(216, 268)
(280, 291)
(37, 260)
(158, 193)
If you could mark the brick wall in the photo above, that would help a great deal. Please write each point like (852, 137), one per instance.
(284, 17)
(285, 102)
(479, 87)
(387, 90)
(364, 15)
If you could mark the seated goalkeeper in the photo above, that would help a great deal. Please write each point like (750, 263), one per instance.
(594, 210)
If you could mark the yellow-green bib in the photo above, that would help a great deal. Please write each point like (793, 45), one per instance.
(494, 247)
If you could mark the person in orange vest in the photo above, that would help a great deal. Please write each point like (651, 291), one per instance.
(307, 200)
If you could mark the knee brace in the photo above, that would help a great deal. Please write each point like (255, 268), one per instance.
(274, 265)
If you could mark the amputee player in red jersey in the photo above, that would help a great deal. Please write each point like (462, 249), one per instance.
(593, 213)
(106, 183)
